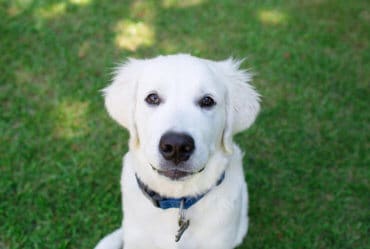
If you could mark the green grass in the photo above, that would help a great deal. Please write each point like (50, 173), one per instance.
(307, 156)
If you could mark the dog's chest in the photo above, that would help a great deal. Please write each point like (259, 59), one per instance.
(147, 226)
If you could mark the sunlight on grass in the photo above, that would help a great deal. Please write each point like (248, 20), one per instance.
(273, 17)
(18, 6)
(51, 11)
(180, 3)
(71, 119)
(132, 35)
(80, 2)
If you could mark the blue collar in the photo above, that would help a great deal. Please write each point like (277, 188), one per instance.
(168, 202)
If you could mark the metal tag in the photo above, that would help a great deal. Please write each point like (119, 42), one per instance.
(183, 226)
(183, 223)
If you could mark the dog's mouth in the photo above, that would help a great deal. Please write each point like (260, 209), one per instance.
(176, 174)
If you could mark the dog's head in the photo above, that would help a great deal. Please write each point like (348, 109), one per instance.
(181, 110)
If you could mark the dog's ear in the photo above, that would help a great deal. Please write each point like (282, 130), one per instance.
(242, 101)
(120, 97)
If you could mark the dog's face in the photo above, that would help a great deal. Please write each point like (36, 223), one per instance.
(181, 110)
(180, 116)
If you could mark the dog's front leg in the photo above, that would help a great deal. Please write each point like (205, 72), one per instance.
(113, 240)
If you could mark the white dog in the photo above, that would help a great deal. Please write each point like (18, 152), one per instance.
(182, 182)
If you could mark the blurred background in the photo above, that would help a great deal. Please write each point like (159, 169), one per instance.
(306, 158)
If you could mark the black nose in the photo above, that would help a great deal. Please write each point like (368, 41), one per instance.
(176, 147)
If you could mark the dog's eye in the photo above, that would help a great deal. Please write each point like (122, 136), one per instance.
(206, 102)
(153, 99)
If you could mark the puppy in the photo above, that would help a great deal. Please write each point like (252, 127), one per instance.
(182, 182)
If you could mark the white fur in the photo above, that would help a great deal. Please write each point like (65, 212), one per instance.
(219, 220)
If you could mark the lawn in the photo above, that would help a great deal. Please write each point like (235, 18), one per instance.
(307, 156)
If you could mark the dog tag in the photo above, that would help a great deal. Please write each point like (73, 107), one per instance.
(183, 223)
(183, 226)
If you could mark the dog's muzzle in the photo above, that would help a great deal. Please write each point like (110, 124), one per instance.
(176, 174)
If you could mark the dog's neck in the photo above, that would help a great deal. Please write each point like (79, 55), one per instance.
(165, 202)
